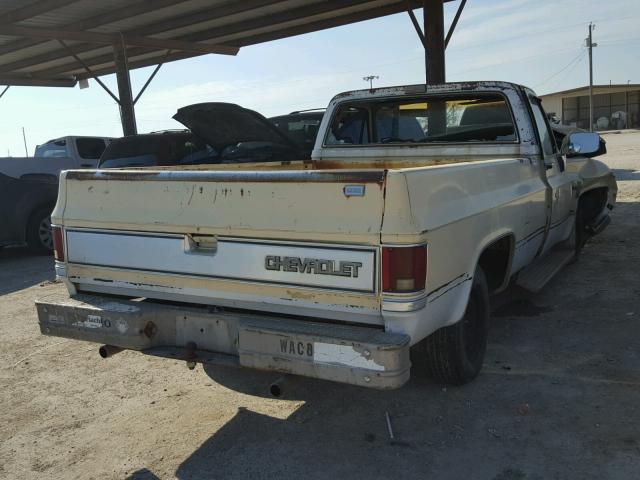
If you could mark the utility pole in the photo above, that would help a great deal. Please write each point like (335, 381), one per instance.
(24, 137)
(590, 45)
(370, 79)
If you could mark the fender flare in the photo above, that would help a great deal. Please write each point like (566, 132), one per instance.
(489, 240)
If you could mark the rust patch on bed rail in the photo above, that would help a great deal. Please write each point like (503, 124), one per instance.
(302, 176)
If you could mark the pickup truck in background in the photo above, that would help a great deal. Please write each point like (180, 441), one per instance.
(29, 185)
(418, 203)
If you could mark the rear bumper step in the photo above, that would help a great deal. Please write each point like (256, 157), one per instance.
(356, 355)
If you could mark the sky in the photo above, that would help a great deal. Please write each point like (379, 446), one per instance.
(538, 43)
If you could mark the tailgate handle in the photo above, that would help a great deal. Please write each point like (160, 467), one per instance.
(201, 244)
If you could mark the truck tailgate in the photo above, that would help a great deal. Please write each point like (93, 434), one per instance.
(290, 241)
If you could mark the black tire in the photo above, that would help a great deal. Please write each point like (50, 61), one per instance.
(39, 238)
(454, 355)
(578, 237)
(581, 232)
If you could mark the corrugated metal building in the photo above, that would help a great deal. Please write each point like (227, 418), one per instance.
(614, 106)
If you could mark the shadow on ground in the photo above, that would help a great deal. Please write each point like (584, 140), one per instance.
(626, 174)
(20, 269)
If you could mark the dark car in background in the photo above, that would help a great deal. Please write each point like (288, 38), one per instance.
(301, 127)
(169, 147)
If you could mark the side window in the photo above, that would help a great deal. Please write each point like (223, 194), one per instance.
(90, 148)
(55, 149)
(546, 135)
(350, 126)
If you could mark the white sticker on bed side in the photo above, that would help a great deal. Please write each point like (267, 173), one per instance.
(342, 355)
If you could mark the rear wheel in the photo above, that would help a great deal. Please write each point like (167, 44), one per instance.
(454, 354)
(39, 238)
(578, 236)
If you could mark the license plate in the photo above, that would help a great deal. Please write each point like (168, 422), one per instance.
(296, 348)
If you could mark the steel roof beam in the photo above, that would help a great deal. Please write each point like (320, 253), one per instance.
(151, 77)
(317, 25)
(140, 63)
(454, 23)
(230, 8)
(109, 39)
(242, 33)
(264, 21)
(32, 10)
(28, 81)
(90, 72)
(139, 8)
(416, 25)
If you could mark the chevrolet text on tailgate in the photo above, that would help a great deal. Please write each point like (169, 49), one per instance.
(417, 204)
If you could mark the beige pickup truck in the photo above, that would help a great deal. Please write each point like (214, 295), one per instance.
(418, 203)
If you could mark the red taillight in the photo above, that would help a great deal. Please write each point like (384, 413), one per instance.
(404, 269)
(58, 244)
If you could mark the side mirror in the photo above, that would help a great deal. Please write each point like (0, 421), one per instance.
(584, 144)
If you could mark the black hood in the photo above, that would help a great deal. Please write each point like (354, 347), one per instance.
(224, 124)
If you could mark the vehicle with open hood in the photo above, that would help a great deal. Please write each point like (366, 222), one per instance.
(239, 135)
(217, 133)
(417, 204)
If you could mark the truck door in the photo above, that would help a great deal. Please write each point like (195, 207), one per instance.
(560, 201)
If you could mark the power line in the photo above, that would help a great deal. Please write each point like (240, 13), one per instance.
(538, 31)
(567, 72)
(574, 61)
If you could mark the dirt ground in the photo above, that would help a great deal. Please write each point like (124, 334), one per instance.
(559, 397)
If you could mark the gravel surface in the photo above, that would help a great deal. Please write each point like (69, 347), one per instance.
(559, 397)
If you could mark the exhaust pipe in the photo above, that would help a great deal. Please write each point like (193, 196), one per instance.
(277, 388)
(107, 351)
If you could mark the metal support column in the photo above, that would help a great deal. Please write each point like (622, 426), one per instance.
(434, 41)
(127, 112)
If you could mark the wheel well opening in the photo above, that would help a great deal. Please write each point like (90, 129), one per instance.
(495, 261)
(591, 203)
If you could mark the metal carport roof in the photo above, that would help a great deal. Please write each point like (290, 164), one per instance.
(39, 38)
(58, 42)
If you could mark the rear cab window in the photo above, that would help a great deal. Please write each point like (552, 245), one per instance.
(463, 118)
(301, 128)
(90, 148)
